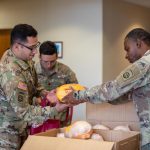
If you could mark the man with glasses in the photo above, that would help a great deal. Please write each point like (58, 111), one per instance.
(20, 84)
(52, 74)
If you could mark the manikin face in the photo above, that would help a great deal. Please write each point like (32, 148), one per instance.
(27, 50)
(48, 61)
(133, 50)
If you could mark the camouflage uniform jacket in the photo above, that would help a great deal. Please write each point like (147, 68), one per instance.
(19, 82)
(59, 75)
(134, 81)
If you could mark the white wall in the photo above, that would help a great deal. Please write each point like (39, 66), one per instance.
(78, 23)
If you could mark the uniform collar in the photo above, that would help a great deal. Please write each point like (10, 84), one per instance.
(147, 53)
(23, 64)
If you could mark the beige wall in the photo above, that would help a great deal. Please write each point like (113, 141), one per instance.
(118, 19)
(78, 23)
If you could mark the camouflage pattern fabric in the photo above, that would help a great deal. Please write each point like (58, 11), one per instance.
(146, 147)
(134, 81)
(9, 138)
(19, 82)
(59, 75)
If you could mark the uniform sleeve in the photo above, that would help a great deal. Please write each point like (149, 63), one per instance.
(121, 100)
(2, 95)
(17, 94)
(129, 79)
(40, 89)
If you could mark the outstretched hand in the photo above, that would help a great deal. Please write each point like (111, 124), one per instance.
(69, 98)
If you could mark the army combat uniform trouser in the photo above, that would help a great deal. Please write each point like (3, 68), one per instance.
(9, 140)
(146, 147)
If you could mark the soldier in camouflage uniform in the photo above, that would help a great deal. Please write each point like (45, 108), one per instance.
(133, 81)
(18, 79)
(52, 74)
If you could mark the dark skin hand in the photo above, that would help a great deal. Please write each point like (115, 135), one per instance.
(69, 98)
(51, 96)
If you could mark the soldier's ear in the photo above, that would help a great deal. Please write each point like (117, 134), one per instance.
(139, 43)
(16, 46)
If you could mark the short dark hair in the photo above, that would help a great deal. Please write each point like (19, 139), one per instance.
(48, 48)
(20, 32)
(139, 33)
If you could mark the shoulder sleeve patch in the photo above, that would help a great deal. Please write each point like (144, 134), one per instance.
(129, 75)
(22, 86)
(20, 97)
(18, 72)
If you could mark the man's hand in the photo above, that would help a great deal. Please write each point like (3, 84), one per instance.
(51, 97)
(60, 106)
(69, 98)
(38, 100)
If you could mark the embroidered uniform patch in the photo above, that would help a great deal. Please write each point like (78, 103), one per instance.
(20, 98)
(18, 72)
(22, 86)
(129, 75)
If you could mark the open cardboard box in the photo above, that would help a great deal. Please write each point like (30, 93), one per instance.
(115, 140)
(112, 115)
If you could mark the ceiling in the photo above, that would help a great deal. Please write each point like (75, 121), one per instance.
(145, 3)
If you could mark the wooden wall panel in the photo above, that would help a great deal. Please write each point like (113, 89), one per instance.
(4, 40)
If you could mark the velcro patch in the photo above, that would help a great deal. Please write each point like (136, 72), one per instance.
(20, 98)
(129, 75)
(22, 86)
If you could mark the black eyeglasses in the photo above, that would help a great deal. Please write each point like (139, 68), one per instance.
(31, 48)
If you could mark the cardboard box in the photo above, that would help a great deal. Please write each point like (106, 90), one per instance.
(113, 115)
(106, 114)
(114, 140)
